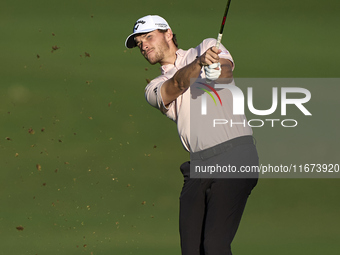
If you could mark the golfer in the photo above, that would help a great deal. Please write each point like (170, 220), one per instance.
(210, 208)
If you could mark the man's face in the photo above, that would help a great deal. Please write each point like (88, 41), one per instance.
(153, 46)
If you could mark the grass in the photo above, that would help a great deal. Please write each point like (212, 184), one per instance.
(109, 180)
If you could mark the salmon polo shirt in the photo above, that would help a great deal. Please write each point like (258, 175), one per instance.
(179, 109)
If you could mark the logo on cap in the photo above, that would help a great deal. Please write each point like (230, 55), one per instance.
(161, 24)
(137, 24)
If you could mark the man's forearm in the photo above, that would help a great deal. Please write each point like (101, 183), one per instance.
(227, 68)
(182, 77)
(174, 87)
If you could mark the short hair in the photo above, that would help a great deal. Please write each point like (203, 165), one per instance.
(174, 39)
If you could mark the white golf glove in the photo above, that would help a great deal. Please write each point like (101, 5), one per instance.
(211, 73)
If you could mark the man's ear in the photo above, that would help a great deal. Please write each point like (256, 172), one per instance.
(169, 35)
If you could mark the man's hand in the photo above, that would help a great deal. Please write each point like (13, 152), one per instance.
(210, 56)
(213, 71)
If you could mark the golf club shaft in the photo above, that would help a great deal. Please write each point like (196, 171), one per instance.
(219, 38)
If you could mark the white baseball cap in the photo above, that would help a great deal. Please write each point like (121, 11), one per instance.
(144, 25)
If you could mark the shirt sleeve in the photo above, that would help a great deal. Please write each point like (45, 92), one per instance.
(154, 98)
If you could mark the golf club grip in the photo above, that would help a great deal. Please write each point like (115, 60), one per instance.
(218, 42)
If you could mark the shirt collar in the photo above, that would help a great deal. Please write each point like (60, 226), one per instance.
(179, 55)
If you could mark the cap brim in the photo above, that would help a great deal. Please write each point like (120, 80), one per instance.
(130, 40)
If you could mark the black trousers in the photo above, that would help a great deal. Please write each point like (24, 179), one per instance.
(211, 209)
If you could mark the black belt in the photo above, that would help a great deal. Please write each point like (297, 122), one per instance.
(222, 147)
